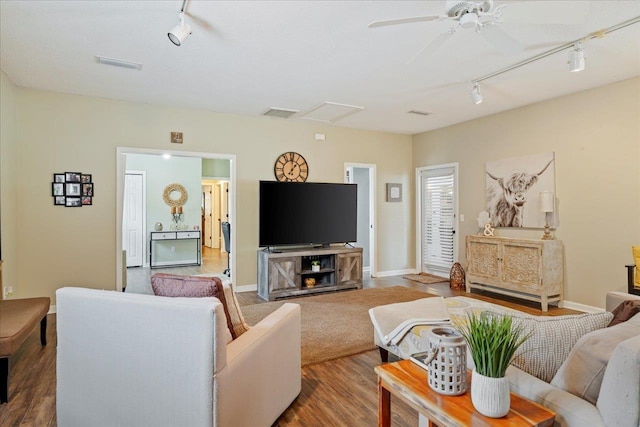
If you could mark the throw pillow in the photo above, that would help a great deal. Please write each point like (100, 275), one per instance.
(238, 325)
(625, 311)
(551, 340)
(581, 374)
(174, 285)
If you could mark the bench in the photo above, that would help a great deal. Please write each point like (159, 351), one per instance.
(18, 317)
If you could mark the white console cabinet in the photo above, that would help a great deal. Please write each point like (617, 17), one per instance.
(522, 268)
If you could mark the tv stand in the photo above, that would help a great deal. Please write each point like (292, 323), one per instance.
(283, 274)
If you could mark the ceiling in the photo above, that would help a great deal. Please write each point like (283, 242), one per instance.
(246, 57)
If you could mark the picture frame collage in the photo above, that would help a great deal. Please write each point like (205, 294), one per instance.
(72, 189)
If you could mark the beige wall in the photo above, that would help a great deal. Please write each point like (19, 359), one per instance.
(57, 132)
(8, 181)
(596, 139)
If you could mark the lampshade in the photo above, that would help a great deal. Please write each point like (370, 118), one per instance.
(547, 200)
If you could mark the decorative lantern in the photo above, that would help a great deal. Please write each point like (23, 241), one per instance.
(456, 277)
(447, 362)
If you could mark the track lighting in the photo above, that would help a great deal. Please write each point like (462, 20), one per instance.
(576, 58)
(180, 32)
(476, 96)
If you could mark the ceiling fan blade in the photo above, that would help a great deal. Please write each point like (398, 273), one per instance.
(501, 40)
(433, 45)
(387, 22)
(546, 12)
(199, 21)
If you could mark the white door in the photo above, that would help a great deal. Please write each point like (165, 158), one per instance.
(224, 208)
(207, 232)
(215, 218)
(133, 240)
(437, 219)
(364, 175)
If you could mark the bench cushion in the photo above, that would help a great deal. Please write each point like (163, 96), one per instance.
(18, 317)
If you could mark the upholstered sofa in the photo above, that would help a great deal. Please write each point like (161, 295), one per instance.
(140, 360)
(611, 399)
(618, 401)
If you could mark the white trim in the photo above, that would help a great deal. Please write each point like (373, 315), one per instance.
(366, 269)
(580, 307)
(182, 263)
(246, 288)
(121, 151)
(419, 211)
(395, 273)
(348, 166)
(52, 309)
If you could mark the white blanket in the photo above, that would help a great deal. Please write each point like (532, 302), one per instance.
(392, 321)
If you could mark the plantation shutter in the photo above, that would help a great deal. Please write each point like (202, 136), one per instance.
(438, 219)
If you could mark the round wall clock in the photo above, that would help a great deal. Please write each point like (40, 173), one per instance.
(291, 167)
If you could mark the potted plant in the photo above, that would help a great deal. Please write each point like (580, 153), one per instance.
(315, 265)
(493, 341)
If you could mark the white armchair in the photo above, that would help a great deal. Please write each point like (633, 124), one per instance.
(141, 360)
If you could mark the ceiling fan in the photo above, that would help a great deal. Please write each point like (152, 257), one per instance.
(484, 18)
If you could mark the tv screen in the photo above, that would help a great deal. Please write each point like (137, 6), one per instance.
(295, 213)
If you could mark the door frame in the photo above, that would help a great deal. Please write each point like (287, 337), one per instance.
(121, 152)
(456, 222)
(373, 269)
(145, 261)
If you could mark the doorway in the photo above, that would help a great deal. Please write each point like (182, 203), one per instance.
(157, 211)
(437, 219)
(364, 175)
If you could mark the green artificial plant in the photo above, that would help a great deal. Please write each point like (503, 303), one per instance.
(493, 341)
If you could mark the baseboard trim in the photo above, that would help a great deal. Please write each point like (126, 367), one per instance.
(394, 273)
(246, 288)
(176, 263)
(580, 307)
(52, 309)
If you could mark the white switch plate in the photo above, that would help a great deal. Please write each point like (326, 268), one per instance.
(461, 217)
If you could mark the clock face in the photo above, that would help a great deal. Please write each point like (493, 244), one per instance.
(291, 167)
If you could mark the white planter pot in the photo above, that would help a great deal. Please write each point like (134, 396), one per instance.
(315, 268)
(490, 396)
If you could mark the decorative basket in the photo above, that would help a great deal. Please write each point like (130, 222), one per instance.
(448, 368)
(456, 277)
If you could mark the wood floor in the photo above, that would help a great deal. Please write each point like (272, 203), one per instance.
(342, 392)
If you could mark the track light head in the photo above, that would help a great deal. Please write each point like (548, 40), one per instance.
(476, 96)
(576, 58)
(180, 32)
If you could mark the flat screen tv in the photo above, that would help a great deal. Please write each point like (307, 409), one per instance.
(309, 213)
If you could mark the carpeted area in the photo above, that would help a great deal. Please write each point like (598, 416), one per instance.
(425, 278)
(336, 324)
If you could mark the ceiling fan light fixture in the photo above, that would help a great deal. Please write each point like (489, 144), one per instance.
(576, 59)
(476, 96)
(469, 20)
(180, 32)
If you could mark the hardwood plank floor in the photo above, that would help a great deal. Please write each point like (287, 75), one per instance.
(341, 392)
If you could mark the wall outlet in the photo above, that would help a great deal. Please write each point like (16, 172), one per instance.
(173, 248)
(8, 291)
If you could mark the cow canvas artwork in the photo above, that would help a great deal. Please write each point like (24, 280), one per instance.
(513, 189)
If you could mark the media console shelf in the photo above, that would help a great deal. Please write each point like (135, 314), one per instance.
(282, 274)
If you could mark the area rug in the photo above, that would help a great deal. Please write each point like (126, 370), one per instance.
(425, 278)
(337, 324)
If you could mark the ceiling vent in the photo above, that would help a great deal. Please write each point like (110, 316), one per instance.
(330, 112)
(118, 63)
(280, 112)
(419, 113)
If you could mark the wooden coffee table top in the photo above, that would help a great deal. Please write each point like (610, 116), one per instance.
(406, 380)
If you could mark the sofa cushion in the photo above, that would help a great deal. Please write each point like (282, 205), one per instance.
(175, 285)
(582, 372)
(625, 311)
(551, 340)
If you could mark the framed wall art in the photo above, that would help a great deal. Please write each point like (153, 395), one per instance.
(394, 192)
(72, 189)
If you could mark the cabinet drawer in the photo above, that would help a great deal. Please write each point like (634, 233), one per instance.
(163, 236)
(188, 234)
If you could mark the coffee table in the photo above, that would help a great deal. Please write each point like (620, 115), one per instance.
(407, 381)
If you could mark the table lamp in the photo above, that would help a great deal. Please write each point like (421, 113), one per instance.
(547, 200)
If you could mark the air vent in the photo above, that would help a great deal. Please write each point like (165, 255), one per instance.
(118, 63)
(419, 113)
(330, 112)
(280, 112)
